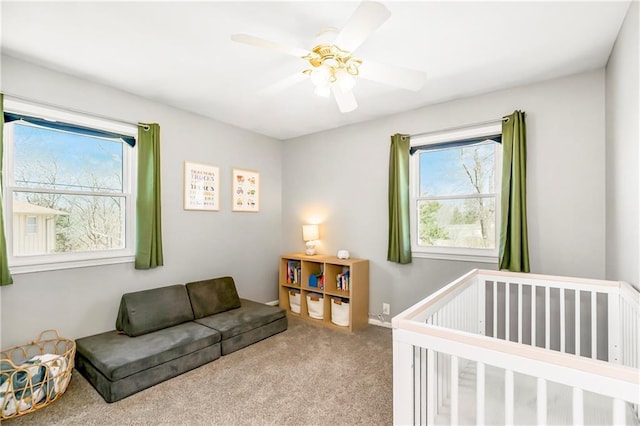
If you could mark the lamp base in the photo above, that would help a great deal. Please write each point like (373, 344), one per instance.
(311, 248)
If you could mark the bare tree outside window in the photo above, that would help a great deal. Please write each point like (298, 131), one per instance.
(75, 183)
(457, 197)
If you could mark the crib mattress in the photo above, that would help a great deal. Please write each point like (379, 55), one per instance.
(597, 409)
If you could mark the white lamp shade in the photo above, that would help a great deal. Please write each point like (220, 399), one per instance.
(310, 232)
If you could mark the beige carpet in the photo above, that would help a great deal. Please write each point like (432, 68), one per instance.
(307, 375)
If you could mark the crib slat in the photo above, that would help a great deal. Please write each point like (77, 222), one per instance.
(423, 380)
(431, 373)
(446, 362)
(520, 313)
(577, 407)
(619, 417)
(507, 313)
(635, 357)
(454, 390)
(439, 382)
(480, 393)
(636, 324)
(562, 320)
(508, 397)
(547, 317)
(418, 377)
(613, 302)
(594, 325)
(482, 302)
(542, 401)
(495, 309)
(533, 315)
(626, 342)
(578, 350)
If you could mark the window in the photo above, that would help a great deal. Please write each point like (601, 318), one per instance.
(68, 189)
(32, 225)
(455, 194)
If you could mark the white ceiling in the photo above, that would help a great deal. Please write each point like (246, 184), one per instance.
(180, 53)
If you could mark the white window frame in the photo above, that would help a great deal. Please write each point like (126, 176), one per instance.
(48, 262)
(452, 253)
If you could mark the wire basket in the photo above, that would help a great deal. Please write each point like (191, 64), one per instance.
(34, 375)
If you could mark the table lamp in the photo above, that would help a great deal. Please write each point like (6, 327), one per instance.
(310, 235)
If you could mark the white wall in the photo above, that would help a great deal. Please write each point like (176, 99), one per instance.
(197, 245)
(341, 178)
(623, 154)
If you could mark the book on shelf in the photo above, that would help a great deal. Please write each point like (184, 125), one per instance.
(294, 272)
(342, 281)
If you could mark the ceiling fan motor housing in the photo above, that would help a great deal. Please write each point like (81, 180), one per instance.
(334, 58)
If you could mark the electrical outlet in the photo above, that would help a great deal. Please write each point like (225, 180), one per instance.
(386, 309)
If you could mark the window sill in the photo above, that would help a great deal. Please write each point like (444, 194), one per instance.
(68, 264)
(456, 257)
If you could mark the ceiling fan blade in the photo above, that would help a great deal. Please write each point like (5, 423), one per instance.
(260, 42)
(283, 84)
(364, 21)
(344, 98)
(391, 75)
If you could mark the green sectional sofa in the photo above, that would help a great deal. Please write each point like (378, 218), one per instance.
(163, 332)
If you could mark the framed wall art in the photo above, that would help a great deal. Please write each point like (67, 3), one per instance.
(201, 186)
(245, 191)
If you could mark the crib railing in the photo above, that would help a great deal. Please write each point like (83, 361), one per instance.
(522, 324)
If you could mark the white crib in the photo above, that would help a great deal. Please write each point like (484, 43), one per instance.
(482, 350)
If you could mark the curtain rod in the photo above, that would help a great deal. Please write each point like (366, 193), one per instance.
(482, 123)
(77, 111)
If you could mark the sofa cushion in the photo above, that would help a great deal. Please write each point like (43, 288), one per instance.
(117, 355)
(212, 296)
(113, 391)
(150, 310)
(250, 337)
(248, 316)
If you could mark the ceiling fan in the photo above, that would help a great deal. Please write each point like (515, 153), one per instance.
(332, 68)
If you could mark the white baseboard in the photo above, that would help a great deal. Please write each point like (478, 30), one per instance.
(272, 303)
(379, 323)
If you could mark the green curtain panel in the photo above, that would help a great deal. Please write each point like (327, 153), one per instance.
(399, 250)
(5, 276)
(148, 214)
(514, 242)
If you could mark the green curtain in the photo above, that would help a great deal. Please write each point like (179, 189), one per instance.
(5, 276)
(514, 245)
(148, 211)
(399, 250)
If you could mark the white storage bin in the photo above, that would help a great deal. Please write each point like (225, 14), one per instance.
(294, 301)
(315, 305)
(339, 312)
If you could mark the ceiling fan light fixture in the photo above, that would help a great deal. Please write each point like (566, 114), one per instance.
(344, 79)
(352, 66)
(329, 65)
(321, 76)
(322, 91)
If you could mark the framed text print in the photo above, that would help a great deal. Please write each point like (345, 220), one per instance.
(201, 186)
(245, 191)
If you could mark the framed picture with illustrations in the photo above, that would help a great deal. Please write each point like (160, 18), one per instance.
(245, 191)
